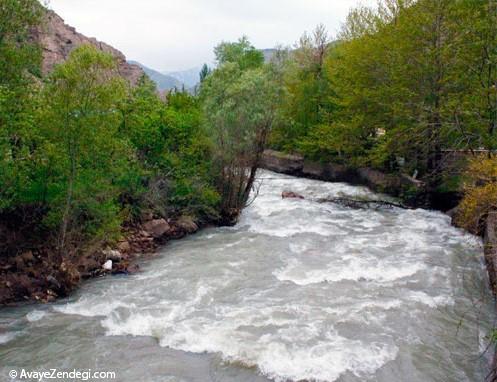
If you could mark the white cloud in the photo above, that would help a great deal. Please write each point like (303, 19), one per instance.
(179, 34)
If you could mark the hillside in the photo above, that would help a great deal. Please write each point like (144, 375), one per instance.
(189, 77)
(58, 40)
(163, 81)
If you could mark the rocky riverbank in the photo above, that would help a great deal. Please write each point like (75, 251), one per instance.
(413, 191)
(39, 274)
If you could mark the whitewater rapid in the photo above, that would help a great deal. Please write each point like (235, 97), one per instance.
(298, 290)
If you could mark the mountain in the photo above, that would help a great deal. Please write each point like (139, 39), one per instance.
(58, 39)
(163, 81)
(189, 77)
(268, 54)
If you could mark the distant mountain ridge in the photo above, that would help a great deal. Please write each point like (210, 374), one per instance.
(58, 39)
(190, 77)
(187, 79)
(164, 82)
(268, 54)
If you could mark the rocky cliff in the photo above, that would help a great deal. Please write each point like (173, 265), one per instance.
(58, 40)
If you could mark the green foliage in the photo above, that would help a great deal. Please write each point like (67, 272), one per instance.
(19, 60)
(241, 53)
(405, 80)
(204, 72)
(18, 54)
(173, 150)
(238, 100)
(480, 193)
(89, 152)
(307, 102)
(80, 124)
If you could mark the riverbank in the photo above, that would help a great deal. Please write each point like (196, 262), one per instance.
(38, 274)
(412, 191)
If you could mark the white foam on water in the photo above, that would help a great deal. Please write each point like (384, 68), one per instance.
(7, 337)
(91, 307)
(35, 315)
(431, 301)
(357, 270)
(281, 355)
(300, 290)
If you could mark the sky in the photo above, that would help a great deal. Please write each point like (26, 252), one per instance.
(169, 35)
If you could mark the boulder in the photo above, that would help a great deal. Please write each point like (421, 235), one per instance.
(125, 268)
(142, 234)
(53, 281)
(282, 163)
(107, 265)
(291, 194)
(124, 246)
(187, 224)
(112, 254)
(156, 228)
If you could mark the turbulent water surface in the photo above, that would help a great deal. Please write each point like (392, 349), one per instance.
(298, 290)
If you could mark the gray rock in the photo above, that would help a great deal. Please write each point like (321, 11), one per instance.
(187, 224)
(58, 39)
(112, 254)
(156, 228)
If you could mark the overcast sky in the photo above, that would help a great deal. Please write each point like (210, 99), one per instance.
(171, 35)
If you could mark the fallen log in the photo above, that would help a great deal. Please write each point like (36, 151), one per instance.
(363, 203)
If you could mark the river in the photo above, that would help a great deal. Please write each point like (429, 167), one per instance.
(297, 290)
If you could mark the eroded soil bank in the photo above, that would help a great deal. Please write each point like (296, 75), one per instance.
(38, 274)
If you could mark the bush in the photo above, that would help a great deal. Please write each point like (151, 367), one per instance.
(480, 194)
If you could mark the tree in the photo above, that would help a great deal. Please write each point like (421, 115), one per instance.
(475, 104)
(173, 151)
(18, 53)
(239, 99)
(204, 72)
(241, 53)
(85, 155)
(307, 100)
(20, 60)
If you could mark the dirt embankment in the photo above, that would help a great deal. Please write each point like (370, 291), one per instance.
(39, 274)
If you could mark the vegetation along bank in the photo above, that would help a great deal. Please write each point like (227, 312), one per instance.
(96, 164)
(94, 159)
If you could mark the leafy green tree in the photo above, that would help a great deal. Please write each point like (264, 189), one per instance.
(20, 60)
(306, 104)
(86, 158)
(239, 100)
(18, 53)
(406, 84)
(475, 103)
(173, 150)
(204, 72)
(241, 53)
